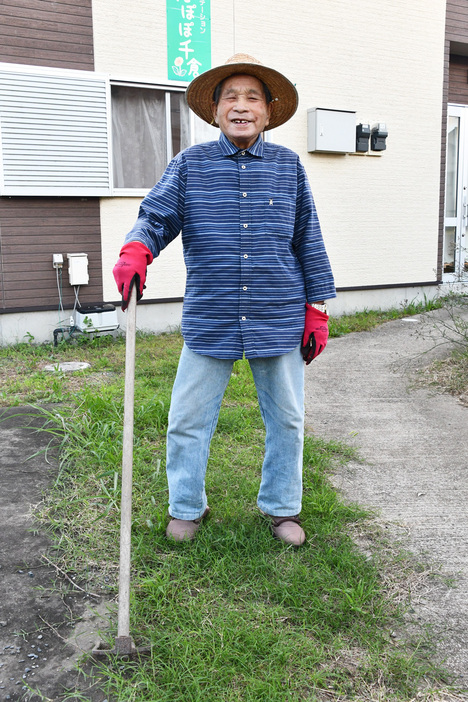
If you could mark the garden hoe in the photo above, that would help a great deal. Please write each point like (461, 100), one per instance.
(124, 645)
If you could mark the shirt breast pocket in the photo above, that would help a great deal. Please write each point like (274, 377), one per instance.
(279, 216)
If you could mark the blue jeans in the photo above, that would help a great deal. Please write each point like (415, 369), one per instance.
(197, 394)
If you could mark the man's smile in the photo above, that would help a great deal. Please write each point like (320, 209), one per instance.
(242, 112)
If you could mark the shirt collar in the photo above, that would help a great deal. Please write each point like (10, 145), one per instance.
(229, 149)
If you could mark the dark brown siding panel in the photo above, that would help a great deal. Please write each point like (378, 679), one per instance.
(456, 26)
(458, 80)
(53, 33)
(31, 231)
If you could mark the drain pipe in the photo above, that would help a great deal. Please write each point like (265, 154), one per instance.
(62, 330)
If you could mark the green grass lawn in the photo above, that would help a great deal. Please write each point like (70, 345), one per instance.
(235, 616)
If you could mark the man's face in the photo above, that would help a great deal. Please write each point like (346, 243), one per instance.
(242, 112)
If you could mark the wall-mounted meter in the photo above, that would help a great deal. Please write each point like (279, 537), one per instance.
(78, 268)
(332, 131)
(378, 136)
(363, 132)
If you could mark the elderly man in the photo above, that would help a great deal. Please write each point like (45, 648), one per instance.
(257, 279)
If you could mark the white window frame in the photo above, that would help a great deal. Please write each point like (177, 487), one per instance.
(167, 88)
(459, 222)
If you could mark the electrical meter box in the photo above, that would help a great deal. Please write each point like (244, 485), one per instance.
(332, 131)
(96, 318)
(78, 269)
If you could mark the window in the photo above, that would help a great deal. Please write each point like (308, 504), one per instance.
(54, 132)
(149, 127)
(62, 130)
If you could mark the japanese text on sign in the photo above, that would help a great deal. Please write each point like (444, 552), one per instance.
(188, 38)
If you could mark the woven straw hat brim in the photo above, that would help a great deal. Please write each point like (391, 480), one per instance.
(285, 98)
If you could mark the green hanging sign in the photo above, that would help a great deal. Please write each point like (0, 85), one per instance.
(188, 38)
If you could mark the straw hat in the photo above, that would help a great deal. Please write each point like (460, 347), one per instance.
(285, 98)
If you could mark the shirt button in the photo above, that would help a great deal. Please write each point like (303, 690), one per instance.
(244, 194)
(242, 153)
(243, 167)
(245, 226)
(245, 287)
(246, 256)
(243, 318)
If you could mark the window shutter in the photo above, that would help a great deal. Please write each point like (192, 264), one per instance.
(54, 133)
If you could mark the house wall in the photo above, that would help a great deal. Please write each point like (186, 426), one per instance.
(47, 33)
(457, 21)
(166, 279)
(379, 213)
(458, 80)
(31, 230)
(55, 33)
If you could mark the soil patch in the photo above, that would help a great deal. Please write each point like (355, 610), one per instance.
(46, 622)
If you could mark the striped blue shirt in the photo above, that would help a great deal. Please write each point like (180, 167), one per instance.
(252, 245)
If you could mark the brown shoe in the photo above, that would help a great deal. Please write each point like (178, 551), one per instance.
(184, 529)
(288, 530)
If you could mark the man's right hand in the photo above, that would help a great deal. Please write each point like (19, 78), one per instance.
(130, 269)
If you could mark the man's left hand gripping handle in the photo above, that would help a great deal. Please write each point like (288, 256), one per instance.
(315, 333)
(131, 268)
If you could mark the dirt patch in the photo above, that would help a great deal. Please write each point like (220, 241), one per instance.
(13, 389)
(46, 621)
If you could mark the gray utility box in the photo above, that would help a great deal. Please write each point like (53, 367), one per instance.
(332, 131)
(96, 318)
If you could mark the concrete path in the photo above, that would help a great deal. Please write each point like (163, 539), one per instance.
(414, 446)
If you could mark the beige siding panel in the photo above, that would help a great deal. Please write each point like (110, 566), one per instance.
(166, 275)
(130, 38)
(380, 214)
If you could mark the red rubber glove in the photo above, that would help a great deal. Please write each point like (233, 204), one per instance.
(131, 268)
(315, 333)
